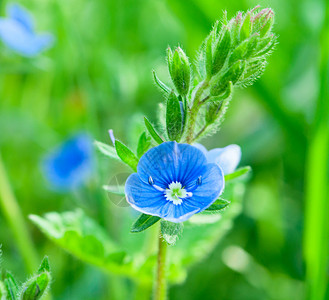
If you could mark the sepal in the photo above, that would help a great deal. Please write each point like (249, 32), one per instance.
(171, 231)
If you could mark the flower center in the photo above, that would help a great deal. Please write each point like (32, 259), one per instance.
(176, 193)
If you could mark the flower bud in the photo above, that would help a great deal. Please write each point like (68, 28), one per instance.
(221, 51)
(179, 69)
(220, 83)
(35, 287)
(263, 21)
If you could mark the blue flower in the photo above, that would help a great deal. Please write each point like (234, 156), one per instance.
(228, 158)
(71, 164)
(174, 181)
(17, 32)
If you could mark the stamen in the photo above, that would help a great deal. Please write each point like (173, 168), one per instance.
(151, 182)
(199, 180)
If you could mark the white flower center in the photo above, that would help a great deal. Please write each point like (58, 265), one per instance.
(176, 193)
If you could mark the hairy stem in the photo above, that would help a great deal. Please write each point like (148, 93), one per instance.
(194, 111)
(161, 283)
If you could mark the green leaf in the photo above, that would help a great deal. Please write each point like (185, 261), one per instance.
(160, 84)
(239, 172)
(171, 231)
(144, 143)
(115, 189)
(143, 222)
(107, 150)
(152, 131)
(11, 287)
(126, 155)
(218, 205)
(44, 267)
(84, 238)
(174, 118)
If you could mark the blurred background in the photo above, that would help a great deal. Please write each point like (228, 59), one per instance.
(97, 75)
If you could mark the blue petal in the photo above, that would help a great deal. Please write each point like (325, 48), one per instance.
(19, 39)
(71, 164)
(170, 162)
(21, 15)
(146, 199)
(227, 158)
(210, 189)
(201, 147)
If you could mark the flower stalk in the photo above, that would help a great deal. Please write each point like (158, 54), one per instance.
(161, 283)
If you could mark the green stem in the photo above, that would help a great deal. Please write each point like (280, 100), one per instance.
(194, 111)
(316, 232)
(161, 283)
(15, 219)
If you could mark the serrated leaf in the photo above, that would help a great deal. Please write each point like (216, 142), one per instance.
(107, 150)
(239, 172)
(171, 231)
(152, 131)
(126, 155)
(144, 143)
(82, 237)
(143, 222)
(174, 118)
(218, 205)
(160, 84)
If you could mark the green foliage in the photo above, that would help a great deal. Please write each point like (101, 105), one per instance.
(238, 173)
(126, 155)
(160, 84)
(218, 205)
(143, 222)
(152, 131)
(144, 143)
(174, 118)
(107, 150)
(33, 289)
(82, 237)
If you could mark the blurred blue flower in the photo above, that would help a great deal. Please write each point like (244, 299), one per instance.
(174, 181)
(228, 158)
(17, 32)
(71, 164)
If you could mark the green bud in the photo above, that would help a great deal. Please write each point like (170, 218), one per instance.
(11, 287)
(246, 27)
(233, 74)
(263, 21)
(35, 287)
(221, 51)
(174, 118)
(179, 69)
